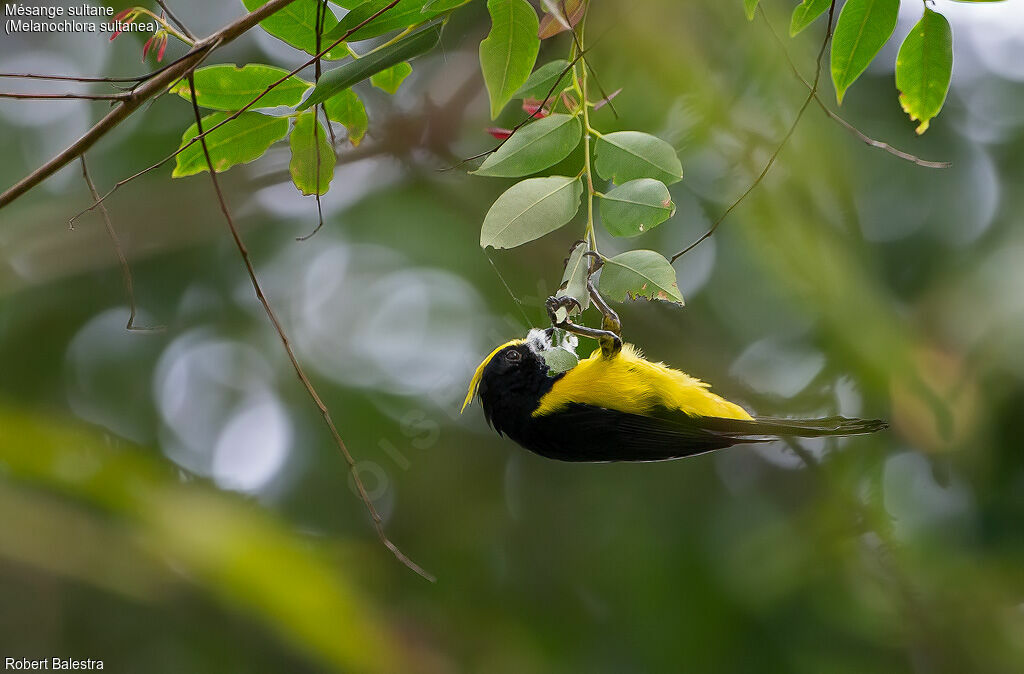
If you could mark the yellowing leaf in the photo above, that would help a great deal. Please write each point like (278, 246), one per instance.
(239, 141)
(923, 68)
(389, 80)
(312, 162)
(227, 87)
(347, 109)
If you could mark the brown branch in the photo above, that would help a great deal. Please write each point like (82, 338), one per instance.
(199, 136)
(306, 383)
(775, 155)
(863, 137)
(150, 88)
(126, 272)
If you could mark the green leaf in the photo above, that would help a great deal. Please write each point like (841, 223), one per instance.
(347, 109)
(575, 277)
(534, 147)
(350, 73)
(627, 155)
(639, 273)
(442, 5)
(863, 28)
(530, 209)
(509, 51)
(295, 24)
(389, 80)
(636, 207)
(750, 6)
(406, 13)
(227, 87)
(806, 13)
(923, 68)
(311, 149)
(559, 359)
(239, 141)
(543, 80)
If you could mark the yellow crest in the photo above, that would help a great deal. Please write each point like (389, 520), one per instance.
(474, 383)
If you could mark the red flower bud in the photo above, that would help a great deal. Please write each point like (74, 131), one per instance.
(532, 107)
(499, 133)
(163, 47)
(129, 13)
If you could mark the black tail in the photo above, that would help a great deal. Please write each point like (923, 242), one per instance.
(801, 428)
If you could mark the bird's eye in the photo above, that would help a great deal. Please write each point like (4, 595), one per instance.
(513, 356)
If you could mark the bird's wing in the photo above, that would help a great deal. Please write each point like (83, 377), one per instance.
(582, 432)
(588, 433)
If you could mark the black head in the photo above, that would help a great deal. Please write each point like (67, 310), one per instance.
(511, 381)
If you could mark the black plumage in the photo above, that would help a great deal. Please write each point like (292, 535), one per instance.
(516, 378)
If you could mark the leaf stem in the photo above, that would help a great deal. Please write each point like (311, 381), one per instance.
(167, 27)
(580, 84)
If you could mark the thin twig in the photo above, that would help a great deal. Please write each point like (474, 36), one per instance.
(586, 62)
(321, 17)
(126, 272)
(177, 22)
(306, 383)
(72, 78)
(775, 155)
(138, 174)
(237, 113)
(882, 145)
(868, 140)
(69, 96)
(151, 87)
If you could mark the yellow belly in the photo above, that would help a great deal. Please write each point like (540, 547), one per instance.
(629, 383)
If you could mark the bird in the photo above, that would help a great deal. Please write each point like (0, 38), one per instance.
(616, 405)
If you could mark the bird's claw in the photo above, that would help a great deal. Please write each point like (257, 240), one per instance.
(610, 341)
(560, 309)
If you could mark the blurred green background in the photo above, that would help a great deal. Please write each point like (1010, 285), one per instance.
(172, 501)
